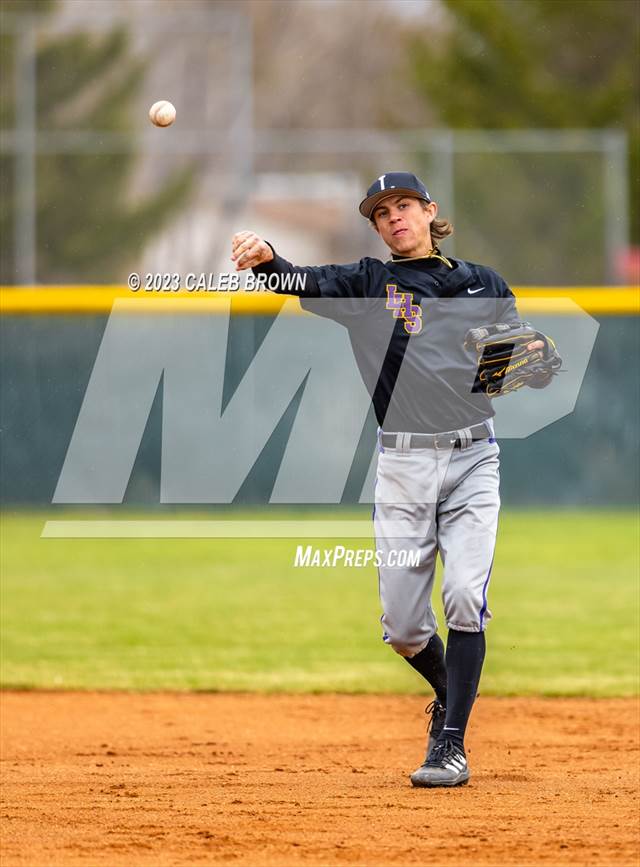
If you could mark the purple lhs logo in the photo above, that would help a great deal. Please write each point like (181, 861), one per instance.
(401, 303)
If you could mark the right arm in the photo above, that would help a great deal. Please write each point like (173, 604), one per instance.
(250, 251)
(345, 283)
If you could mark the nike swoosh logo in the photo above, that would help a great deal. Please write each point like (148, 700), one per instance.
(473, 291)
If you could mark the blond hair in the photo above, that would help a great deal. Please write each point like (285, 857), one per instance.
(440, 229)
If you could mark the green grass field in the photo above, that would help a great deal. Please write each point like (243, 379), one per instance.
(236, 614)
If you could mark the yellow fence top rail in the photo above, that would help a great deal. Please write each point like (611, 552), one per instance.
(35, 300)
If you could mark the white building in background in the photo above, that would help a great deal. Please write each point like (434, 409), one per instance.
(200, 57)
(290, 179)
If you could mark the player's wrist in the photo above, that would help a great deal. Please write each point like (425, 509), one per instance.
(268, 254)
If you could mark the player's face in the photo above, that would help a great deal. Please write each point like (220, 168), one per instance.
(403, 224)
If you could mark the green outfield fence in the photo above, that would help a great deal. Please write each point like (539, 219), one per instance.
(50, 336)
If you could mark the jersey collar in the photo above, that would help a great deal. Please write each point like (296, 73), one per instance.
(432, 254)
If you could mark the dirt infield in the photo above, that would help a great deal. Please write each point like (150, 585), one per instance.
(165, 779)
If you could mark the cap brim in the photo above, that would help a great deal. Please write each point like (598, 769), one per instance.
(368, 205)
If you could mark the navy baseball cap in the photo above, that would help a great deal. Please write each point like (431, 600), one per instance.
(393, 184)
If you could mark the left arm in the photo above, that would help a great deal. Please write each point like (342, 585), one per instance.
(507, 310)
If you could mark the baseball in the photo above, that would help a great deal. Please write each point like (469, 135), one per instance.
(162, 113)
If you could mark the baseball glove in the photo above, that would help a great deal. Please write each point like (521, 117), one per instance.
(504, 362)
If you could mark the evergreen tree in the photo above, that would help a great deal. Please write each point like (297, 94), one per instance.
(87, 227)
(513, 64)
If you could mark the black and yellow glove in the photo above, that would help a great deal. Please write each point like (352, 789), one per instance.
(505, 363)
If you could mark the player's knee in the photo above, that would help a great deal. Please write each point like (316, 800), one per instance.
(406, 642)
(464, 610)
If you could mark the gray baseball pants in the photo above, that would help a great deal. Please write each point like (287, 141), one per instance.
(436, 500)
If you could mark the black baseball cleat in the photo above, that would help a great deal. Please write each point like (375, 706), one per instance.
(446, 765)
(438, 713)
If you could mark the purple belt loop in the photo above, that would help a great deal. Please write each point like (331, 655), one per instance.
(488, 423)
(379, 438)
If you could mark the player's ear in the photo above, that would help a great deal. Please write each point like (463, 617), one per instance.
(372, 225)
(432, 209)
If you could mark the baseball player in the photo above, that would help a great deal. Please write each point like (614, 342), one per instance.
(437, 479)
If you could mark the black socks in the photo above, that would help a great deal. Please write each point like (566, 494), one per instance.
(465, 655)
(456, 682)
(431, 665)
